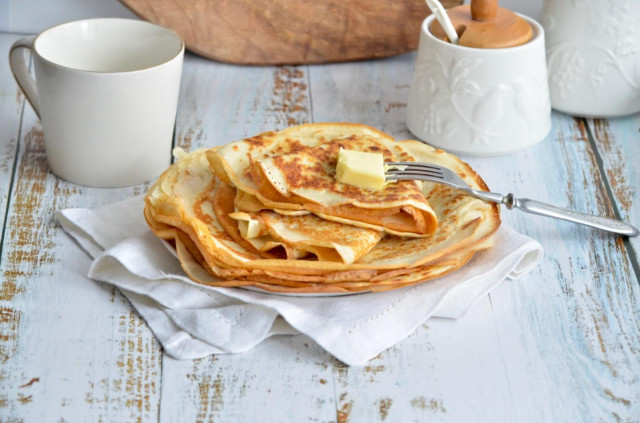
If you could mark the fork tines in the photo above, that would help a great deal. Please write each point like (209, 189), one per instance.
(411, 170)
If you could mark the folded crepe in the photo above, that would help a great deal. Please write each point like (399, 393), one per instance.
(294, 169)
(213, 223)
(275, 235)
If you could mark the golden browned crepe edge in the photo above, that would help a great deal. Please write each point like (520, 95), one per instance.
(279, 286)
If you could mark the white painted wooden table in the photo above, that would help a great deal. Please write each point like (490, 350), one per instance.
(560, 345)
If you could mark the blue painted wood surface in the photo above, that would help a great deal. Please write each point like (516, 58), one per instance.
(560, 344)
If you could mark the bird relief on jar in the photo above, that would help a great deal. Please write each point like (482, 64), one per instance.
(450, 89)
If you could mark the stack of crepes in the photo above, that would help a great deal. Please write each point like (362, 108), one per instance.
(267, 212)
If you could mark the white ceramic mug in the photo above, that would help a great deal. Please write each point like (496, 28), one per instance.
(593, 52)
(476, 101)
(106, 91)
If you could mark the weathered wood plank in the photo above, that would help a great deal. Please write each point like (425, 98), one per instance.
(618, 145)
(72, 349)
(374, 93)
(220, 103)
(434, 374)
(445, 371)
(569, 331)
(284, 378)
(11, 105)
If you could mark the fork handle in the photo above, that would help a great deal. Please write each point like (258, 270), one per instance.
(543, 209)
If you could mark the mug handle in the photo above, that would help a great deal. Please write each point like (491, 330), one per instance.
(21, 71)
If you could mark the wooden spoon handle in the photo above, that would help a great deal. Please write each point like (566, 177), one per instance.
(484, 10)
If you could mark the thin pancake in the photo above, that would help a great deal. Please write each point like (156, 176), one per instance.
(327, 240)
(292, 237)
(181, 207)
(294, 169)
(280, 283)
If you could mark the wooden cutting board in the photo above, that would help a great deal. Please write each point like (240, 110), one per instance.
(270, 32)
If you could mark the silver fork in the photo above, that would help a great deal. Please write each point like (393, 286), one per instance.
(429, 172)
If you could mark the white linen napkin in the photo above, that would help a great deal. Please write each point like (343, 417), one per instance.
(193, 321)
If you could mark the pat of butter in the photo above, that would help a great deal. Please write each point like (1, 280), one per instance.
(248, 227)
(362, 169)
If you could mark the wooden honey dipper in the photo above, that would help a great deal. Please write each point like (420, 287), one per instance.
(483, 24)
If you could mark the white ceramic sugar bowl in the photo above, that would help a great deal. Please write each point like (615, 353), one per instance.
(479, 101)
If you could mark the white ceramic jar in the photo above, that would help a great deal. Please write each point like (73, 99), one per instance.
(476, 101)
(593, 56)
